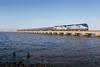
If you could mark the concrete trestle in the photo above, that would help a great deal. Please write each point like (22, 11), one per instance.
(74, 33)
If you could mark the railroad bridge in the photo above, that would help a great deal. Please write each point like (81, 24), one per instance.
(74, 33)
(73, 29)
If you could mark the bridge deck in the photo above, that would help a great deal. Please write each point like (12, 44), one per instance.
(86, 33)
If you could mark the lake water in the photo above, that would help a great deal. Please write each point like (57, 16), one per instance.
(52, 49)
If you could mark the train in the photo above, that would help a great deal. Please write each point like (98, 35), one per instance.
(72, 27)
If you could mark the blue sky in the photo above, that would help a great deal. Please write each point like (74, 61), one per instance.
(17, 14)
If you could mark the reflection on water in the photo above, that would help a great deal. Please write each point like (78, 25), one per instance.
(53, 49)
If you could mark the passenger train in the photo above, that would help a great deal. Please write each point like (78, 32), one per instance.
(73, 27)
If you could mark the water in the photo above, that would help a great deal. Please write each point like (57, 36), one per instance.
(53, 49)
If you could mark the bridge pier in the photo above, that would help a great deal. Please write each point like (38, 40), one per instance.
(61, 33)
(77, 34)
(50, 33)
(68, 34)
(54, 33)
(88, 34)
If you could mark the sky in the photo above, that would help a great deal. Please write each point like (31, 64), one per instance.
(19, 14)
